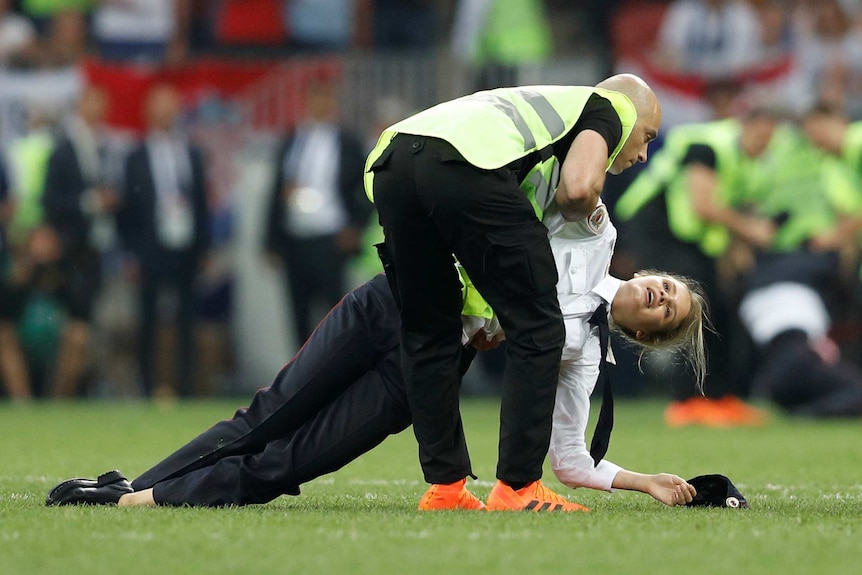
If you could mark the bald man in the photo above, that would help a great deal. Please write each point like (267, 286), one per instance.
(472, 177)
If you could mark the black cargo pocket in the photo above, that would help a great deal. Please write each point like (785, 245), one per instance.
(523, 269)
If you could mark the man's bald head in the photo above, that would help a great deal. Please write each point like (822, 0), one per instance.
(636, 89)
(648, 121)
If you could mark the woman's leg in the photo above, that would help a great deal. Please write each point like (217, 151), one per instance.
(352, 339)
(358, 420)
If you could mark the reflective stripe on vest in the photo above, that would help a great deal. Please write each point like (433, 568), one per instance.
(552, 121)
(540, 183)
(512, 112)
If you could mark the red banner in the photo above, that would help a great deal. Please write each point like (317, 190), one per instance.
(128, 84)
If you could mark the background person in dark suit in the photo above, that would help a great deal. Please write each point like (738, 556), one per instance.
(80, 201)
(318, 207)
(164, 223)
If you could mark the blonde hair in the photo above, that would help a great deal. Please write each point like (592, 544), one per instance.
(688, 337)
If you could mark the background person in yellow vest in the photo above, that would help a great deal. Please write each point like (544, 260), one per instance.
(831, 130)
(470, 177)
(804, 277)
(21, 186)
(497, 36)
(683, 204)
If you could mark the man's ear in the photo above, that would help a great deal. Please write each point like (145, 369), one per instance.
(637, 275)
(640, 335)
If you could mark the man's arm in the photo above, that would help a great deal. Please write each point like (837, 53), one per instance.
(582, 175)
(583, 155)
(703, 187)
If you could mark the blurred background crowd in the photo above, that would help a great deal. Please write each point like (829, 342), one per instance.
(181, 195)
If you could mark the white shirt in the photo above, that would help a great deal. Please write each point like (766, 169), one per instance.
(583, 252)
(135, 21)
(172, 174)
(15, 33)
(771, 310)
(311, 165)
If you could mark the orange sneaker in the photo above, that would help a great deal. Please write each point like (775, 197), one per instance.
(729, 411)
(733, 412)
(443, 496)
(533, 497)
(690, 411)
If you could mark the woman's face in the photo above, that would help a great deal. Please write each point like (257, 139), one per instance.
(651, 304)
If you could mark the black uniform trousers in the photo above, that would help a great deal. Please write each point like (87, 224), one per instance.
(340, 396)
(432, 203)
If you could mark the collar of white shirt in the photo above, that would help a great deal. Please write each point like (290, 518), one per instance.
(607, 288)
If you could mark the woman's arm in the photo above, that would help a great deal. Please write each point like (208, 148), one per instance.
(570, 458)
(665, 487)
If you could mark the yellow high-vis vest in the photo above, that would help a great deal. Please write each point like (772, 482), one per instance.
(664, 174)
(493, 128)
(809, 188)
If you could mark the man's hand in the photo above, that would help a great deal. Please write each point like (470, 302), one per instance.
(44, 245)
(827, 349)
(481, 342)
(107, 200)
(759, 232)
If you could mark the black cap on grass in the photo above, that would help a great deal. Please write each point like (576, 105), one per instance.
(716, 491)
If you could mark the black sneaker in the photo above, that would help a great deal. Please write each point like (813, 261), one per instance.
(105, 490)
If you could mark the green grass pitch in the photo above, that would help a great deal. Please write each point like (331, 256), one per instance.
(803, 479)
